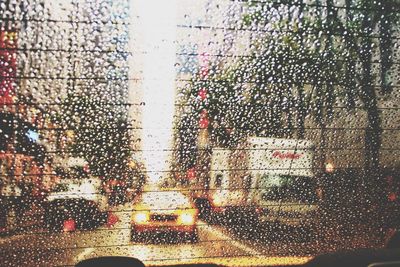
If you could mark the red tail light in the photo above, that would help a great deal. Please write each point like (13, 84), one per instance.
(112, 219)
(69, 225)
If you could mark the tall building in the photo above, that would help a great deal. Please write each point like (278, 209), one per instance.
(22, 156)
(69, 51)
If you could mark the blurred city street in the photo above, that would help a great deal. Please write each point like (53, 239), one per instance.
(216, 244)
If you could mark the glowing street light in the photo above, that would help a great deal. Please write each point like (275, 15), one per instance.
(329, 167)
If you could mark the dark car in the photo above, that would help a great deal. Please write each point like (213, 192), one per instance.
(73, 213)
(75, 205)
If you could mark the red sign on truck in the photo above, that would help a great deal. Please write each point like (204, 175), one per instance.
(285, 155)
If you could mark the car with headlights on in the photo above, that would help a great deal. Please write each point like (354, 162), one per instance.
(159, 214)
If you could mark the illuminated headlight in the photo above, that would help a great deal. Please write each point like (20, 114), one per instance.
(187, 217)
(141, 217)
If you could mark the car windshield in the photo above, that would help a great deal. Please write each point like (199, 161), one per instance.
(234, 132)
(61, 188)
(290, 189)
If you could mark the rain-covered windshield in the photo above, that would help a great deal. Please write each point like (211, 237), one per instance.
(236, 132)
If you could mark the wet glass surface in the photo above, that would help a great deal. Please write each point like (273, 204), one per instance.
(242, 133)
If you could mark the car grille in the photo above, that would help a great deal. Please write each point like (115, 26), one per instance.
(163, 217)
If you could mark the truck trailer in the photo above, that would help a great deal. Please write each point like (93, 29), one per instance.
(261, 180)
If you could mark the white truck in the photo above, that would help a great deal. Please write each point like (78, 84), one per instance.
(267, 179)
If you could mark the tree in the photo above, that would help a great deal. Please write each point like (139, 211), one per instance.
(101, 135)
(265, 93)
(304, 58)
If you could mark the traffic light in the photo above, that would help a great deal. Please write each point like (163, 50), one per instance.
(203, 93)
(204, 122)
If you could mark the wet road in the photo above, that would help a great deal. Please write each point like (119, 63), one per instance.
(217, 244)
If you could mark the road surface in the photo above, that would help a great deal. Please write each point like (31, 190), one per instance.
(217, 244)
